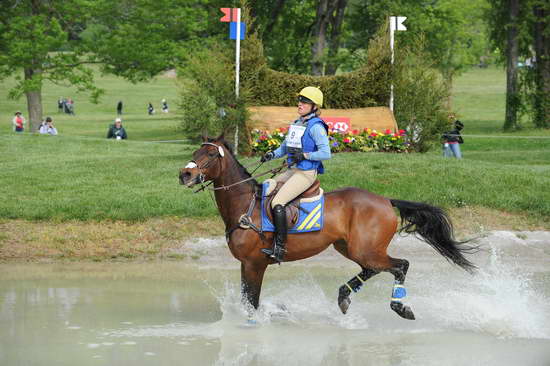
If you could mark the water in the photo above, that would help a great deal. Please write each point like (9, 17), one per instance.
(189, 313)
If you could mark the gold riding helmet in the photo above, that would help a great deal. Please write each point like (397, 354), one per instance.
(311, 94)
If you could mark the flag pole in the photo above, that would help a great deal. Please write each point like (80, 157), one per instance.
(237, 69)
(396, 24)
(392, 31)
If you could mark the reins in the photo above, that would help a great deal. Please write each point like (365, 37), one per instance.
(204, 186)
(273, 171)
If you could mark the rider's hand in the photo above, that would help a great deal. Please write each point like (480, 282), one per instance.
(267, 156)
(298, 157)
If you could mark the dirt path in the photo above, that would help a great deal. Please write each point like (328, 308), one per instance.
(162, 238)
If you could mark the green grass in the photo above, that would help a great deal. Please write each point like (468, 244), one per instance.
(82, 178)
(93, 120)
(81, 175)
(479, 100)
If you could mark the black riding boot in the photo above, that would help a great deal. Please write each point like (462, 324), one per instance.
(279, 239)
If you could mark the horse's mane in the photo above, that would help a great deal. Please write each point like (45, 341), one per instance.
(240, 167)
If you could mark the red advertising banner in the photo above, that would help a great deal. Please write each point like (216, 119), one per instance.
(342, 124)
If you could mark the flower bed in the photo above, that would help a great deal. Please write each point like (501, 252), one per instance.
(355, 140)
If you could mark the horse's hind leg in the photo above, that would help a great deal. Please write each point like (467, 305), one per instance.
(353, 285)
(399, 271)
(369, 251)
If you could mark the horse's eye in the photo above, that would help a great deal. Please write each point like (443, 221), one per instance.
(211, 154)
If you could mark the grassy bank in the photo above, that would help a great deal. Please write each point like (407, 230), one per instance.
(62, 178)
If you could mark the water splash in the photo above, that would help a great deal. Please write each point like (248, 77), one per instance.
(301, 302)
(500, 300)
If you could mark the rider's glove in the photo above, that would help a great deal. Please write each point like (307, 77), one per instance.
(267, 156)
(298, 157)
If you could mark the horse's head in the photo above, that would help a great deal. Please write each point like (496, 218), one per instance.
(207, 163)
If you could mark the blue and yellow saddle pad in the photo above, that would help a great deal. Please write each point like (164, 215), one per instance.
(310, 215)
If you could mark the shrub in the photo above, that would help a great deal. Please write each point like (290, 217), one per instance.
(420, 96)
(207, 96)
(365, 87)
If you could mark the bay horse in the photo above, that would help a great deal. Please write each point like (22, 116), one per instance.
(358, 224)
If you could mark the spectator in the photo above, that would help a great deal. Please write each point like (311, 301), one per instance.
(70, 105)
(48, 128)
(18, 122)
(116, 131)
(60, 105)
(119, 108)
(150, 109)
(66, 106)
(164, 106)
(452, 140)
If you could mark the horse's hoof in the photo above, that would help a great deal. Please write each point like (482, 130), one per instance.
(344, 304)
(343, 298)
(403, 311)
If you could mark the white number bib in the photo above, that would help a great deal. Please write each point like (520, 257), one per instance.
(294, 137)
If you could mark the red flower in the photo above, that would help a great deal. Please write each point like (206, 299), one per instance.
(355, 132)
(373, 134)
(347, 140)
(402, 132)
(388, 132)
(263, 137)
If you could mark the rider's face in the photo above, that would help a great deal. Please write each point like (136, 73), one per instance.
(304, 108)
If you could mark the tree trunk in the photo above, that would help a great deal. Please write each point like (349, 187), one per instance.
(512, 95)
(334, 45)
(542, 68)
(274, 16)
(324, 9)
(448, 78)
(34, 100)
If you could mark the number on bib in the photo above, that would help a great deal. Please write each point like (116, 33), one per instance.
(294, 137)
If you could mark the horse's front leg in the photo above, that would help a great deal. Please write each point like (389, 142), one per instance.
(252, 275)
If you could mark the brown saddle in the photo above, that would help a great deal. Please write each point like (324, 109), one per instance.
(292, 207)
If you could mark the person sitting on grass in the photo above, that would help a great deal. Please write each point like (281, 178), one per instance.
(116, 131)
(48, 128)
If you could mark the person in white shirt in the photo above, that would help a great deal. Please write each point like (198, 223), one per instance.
(48, 128)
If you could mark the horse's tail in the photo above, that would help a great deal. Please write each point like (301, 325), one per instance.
(434, 227)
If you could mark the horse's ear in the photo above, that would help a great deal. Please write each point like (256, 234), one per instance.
(221, 136)
(204, 136)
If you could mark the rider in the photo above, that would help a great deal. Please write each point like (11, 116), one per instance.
(306, 145)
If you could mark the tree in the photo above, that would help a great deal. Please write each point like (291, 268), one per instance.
(519, 33)
(336, 21)
(454, 30)
(134, 39)
(30, 33)
(541, 13)
(512, 100)
(327, 27)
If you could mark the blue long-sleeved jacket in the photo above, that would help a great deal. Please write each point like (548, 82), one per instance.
(319, 135)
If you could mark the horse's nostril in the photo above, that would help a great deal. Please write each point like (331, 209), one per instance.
(185, 176)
